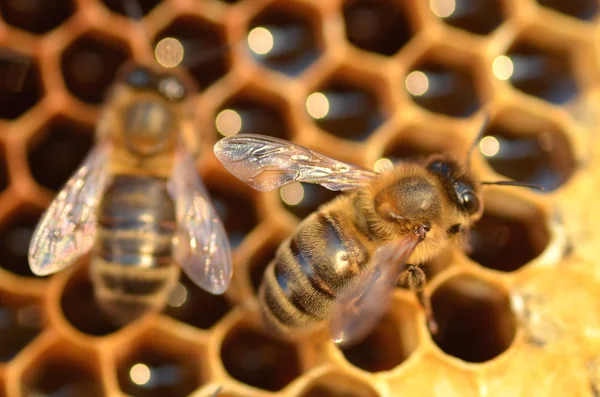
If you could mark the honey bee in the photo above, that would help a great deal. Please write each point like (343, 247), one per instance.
(137, 203)
(344, 260)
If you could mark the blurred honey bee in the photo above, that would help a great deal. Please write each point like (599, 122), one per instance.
(138, 203)
(344, 260)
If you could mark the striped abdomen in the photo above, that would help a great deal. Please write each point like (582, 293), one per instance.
(324, 256)
(133, 269)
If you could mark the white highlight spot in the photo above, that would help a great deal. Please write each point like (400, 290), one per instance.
(228, 122)
(260, 41)
(417, 83)
(140, 374)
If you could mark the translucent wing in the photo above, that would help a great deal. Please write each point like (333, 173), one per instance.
(267, 163)
(202, 248)
(68, 227)
(356, 311)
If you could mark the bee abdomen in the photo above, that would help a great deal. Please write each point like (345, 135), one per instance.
(133, 268)
(309, 270)
(125, 293)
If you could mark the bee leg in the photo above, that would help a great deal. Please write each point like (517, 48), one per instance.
(413, 278)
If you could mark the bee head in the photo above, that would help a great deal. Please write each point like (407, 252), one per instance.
(460, 186)
(147, 100)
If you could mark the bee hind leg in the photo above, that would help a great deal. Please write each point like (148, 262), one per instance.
(413, 278)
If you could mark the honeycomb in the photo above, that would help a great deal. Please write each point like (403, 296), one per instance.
(360, 80)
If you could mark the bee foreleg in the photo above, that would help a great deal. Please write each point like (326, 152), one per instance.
(413, 278)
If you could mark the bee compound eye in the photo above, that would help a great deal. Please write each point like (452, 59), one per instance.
(470, 202)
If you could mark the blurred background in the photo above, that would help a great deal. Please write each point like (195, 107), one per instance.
(369, 82)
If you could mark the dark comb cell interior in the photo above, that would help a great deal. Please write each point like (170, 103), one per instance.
(259, 261)
(250, 114)
(206, 51)
(20, 324)
(254, 358)
(133, 10)
(417, 143)
(60, 152)
(20, 84)
(192, 305)
(507, 242)
(544, 159)
(3, 171)
(541, 71)
(345, 109)
(442, 88)
(59, 376)
(36, 16)
(474, 317)
(380, 26)
(284, 40)
(582, 9)
(90, 64)
(390, 343)
(15, 233)
(81, 309)
(235, 210)
(479, 17)
(153, 369)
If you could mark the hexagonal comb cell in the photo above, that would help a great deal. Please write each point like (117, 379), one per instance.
(36, 16)
(80, 307)
(302, 199)
(381, 26)
(15, 233)
(258, 360)
(338, 385)
(474, 317)
(159, 367)
(55, 373)
(205, 48)
(192, 305)
(542, 71)
(582, 9)
(284, 38)
(479, 17)
(236, 211)
(346, 109)
(528, 149)
(20, 84)
(21, 323)
(252, 112)
(510, 234)
(59, 152)
(89, 65)
(121, 6)
(390, 343)
(443, 88)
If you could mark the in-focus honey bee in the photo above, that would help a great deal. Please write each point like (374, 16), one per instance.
(137, 202)
(344, 261)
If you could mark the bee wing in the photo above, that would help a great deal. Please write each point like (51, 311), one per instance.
(202, 248)
(67, 229)
(267, 163)
(357, 310)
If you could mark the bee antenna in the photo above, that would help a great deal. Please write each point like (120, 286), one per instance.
(482, 128)
(513, 183)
